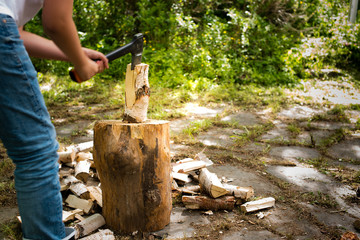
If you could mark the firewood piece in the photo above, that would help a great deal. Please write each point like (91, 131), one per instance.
(70, 215)
(66, 157)
(185, 160)
(82, 170)
(66, 171)
(66, 181)
(182, 177)
(258, 205)
(133, 162)
(81, 156)
(80, 190)
(75, 202)
(174, 185)
(96, 194)
(188, 166)
(137, 93)
(83, 147)
(194, 190)
(243, 193)
(89, 225)
(101, 235)
(207, 203)
(211, 184)
(202, 157)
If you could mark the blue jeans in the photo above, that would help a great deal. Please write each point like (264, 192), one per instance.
(30, 139)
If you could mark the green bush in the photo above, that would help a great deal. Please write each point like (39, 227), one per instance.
(196, 44)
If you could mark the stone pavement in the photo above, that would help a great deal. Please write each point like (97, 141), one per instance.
(307, 170)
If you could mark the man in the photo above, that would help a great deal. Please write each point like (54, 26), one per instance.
(25, 127)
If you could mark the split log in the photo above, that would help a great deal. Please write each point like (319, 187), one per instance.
(70, 215)
(82, 156)
(137, 93)
(211, 184)
(185, 160)
(89, 225)
(75, 202)
(133, 162)
(66, 171)
(80, 190)
(66, 157)
(188, 166)
(258, 205)
(96, 194)
(244, 193)
(174, 185)
(66, 181)
(202, 157)
(182, 177)
(83, 147)
(82, 170)
(194, 190)
(101, 235)
(207, 203)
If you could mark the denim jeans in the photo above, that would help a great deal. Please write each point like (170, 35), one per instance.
(30, 139)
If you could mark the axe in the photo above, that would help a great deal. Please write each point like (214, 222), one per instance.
(135, 47)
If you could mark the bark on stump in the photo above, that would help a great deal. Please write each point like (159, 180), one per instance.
(133, 162)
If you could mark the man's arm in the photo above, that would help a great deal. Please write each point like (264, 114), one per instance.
(41, 47)
(59, 25)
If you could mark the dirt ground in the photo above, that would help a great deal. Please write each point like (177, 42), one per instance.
(306, 156)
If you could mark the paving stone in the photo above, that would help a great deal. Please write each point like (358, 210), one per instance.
(299, 112)
(348, 149)
(279, 133)
(245, 178)
(69, 129)
(245, 234)
(221, 137)
(331, 218)
(282, 219)
(318, 137)
(311, 180)
(181, 223)
(327, 125)
(243, 119)
(354, 115)
(193, 109)
(177, 126)
(307, 178)
(294, 153)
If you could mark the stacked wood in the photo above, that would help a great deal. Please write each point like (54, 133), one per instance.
(81, 187)
(202, 189)
(101, 235)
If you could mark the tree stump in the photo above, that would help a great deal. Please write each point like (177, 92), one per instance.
(133, 162)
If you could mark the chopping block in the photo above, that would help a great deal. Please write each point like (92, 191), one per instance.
(133, 164)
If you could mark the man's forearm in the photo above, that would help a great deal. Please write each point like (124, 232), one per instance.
(40, 47)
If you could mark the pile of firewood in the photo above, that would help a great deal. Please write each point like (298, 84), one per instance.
(201, 189)
(80, 187)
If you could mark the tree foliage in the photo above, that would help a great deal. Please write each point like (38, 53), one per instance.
(198, 43)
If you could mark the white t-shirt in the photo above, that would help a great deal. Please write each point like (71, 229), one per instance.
(21, 10)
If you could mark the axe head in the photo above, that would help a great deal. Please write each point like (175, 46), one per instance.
(136, 49)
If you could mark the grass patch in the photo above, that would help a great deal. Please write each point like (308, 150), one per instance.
(336, 114)
(251, 133)
(198, 126)
(319, 199)
(12, 230)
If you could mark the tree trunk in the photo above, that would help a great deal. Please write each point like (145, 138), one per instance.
(133, 162)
